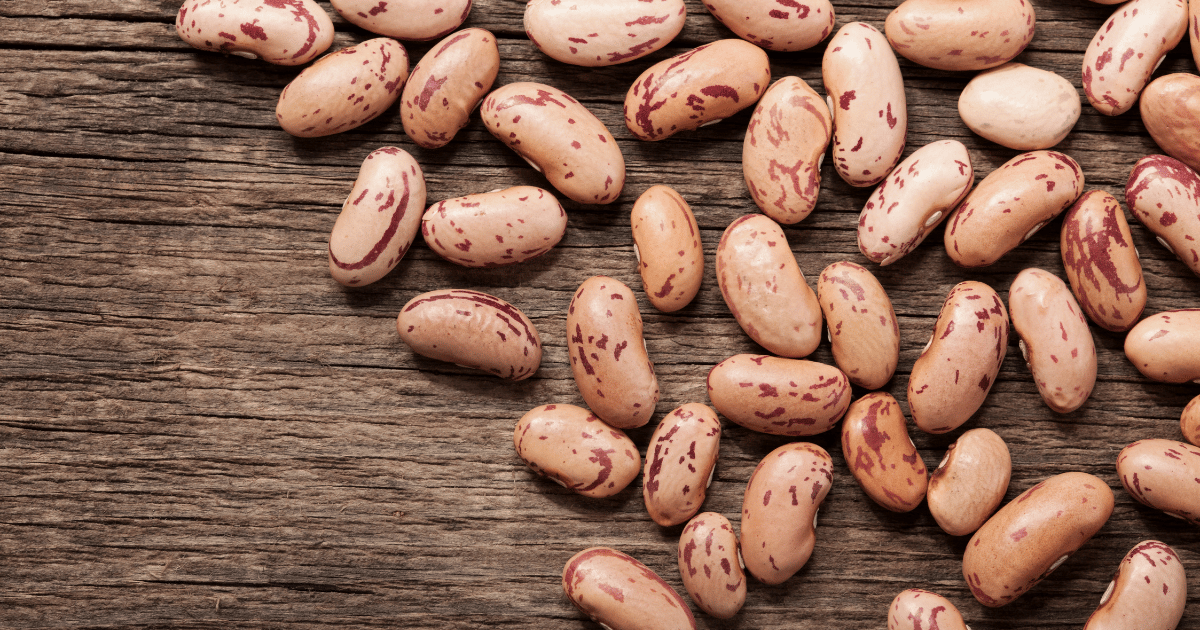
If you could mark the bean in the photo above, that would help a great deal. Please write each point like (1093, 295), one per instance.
(768, 24)
(501, 227)
(915, 609)
(282, 32)
(1127, 49)
(379, 219)
(417, 20)
(666, 241)
(680, 461)
(882, 458)
(1101, 261)
(863, 331)
(1055, 340)
(1148, 592)
(970, 483)
(620, 593)
(603, 33)
(783, 150)
(1189, 421)
(1020, 107)
(1171, 113)
(779, 396)
(960, 36)
(1163, 347)
(446, 86)
(577, 450)
(710, 565)
(1164, 194)
(1163, 474)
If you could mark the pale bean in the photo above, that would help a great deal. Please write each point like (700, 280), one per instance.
(774, 25)
(1101, 261)
(970, 483)
(915, 609)
(783, 150)
(1189, 421)
(1148, 592)
(960, 36)
(764, 288)
(779, 396)
(953, 375)
(559, 137)
(1164, 194)
(666, 241)
(471, 329)
(680, 461)
(608, 353)
(1170, 109)
(1035, 533)
(577, 450)
(446, 86)
(1163, 474)
(700, 87)
(1020, 107)
(779, 510)
(379, 218)
(282, 32)
(1163, 347)
(418, 20)
(1127, 49)
(866, 96)
(881, 456)
(602, 33)
(344, 90)
(863, 331)
(710, 565)
(620, 593)
(1055, 340)
(496, 228)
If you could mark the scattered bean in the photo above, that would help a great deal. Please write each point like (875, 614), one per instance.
(573, 447)
(1020, 107)
(1170, 111)
(779, 396)
(446, 86)
(1163, 474)
(970, 483)
(620, 593)
(282, 32)
(602, 33)
(418, 20)
(344, 90)
(1189, 421)
(915, 609)
(768, 24)
(710, 565)
(863, 332)
(680, 462)
(1164, 194)
(1101, 261)
(1127, 49)
(783, 150)
(1148, 591)
(501, 227)
(960, 36)
(881, 456)
(1055, 340)
(1163, 347)
(666, 241)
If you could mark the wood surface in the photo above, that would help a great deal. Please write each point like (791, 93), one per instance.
(200, 429)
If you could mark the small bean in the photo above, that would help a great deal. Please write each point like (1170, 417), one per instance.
(1055, 339)
(770, 23)
(783, 150)
(1163, 474)
(620, 593)
(960, 36)
(416, 20)
(666, 241)
(1170, 111)
(915, 609)
(970, 483)
(1189, 421)
(1148, 592)
(1164, 194)
(680, 461)
(602, 33)
(710, 565)
(1101, 261)
(863, 331)
(501, 227)
(1020, 107)
(577, 450)
(882, 458)
(1163, 347)
(282, 32)
(779, 396)
(1127, 49)
(446, 86)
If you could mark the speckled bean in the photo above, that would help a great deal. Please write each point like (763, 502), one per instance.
(282, 32)
(1189, 421)
(955, 372)
(559, 137)
(1148, 591)
(418, 20)
(379, 218)
(1127, 49)
(783, 150)
(446, 86)
(700, 87)
(913, 200)
(344, 90)
(764, 288)
(1193, 29)
(1164, 475)
(863, 331)
(1020, 107)
(969, 484)
(915, 609)
(881, 456)
(961, 36)
(710, 565)
(496, 228)
(779, 396)
(1170, 109)
(1163, 347)
(1035, 533)
(620, 593)
(779, 510)
(774, 25)
(1010, 205)
(573, 447)
(1101, 261)
(1055, 340)
(603, 33)
(608, 354)
(471, 329)
(680, 461)
(865, 91)
(666, 242)
(1164, 194)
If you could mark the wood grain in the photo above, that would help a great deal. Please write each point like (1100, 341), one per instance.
(201, 429)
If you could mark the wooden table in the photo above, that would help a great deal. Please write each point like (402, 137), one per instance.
(200, 429)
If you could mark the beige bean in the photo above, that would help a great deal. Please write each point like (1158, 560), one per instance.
(282, 32)
(573, 447)
(764, 288)
(1010, 205)
(779, 396)
(602, 33)
(446, 86)
(1163, 347)
(863, 331)
(1148, 592)
(1189, 421)
(1020, 107)
(700, 87)
(1163, 474)
(379, 218)
(866, 96)
(1170, 109)
(774, 25)
(783, 150)
(620, 593)
(710, 565)
(496, 228)
(1101, 261)
(680, 461)
(913, 200)
(344, 90)
(970, 483)
(915, 609)
(471, 329)
(1127, 49)
(1035, 533)
(559, 137)
(881, 456)
(779, 510)
(1055, 340)
(955, 372)
(608, 354)
(961, 36)
(417, 20)
(1164, 195)
(666, 242)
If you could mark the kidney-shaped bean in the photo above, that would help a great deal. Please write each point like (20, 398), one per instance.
(1163, 347)
(783, 150)
(1189, 421)
(863, 332)
(446, 86)
(775, 25)
(282, 32)
(779, 510)
(1164, 194)
(779, 396)
(1163, 474)
(418, 20)
(1126, 50)
(915, 609)
(710, 565)
(960, 35)
(501, 227)
(1101, 261)
(618, 592)
(343, 90)
(680, 461)
(1055, 339)
(970, 482)
(1170, 109)
(881, 456)
(573, 447)
(1148, 591)
(666, 241)
(602, 33)
(1020, 107)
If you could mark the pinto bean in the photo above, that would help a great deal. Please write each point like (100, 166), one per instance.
(573, 447)
(1127, 48)
(915, 609)
(863, 332)
(1164, 194)
(666, 241)
(1163, 474)
(960, 36)
(970, 483)
(680, 462)
(1101, 261)
(501, 227)
(779, 396)
(1020, 107)
(1148, 592)
(603, 33)
(620, 593)
(1055, 339)
(417, 20)
(881, 456)
(710, 565)
(1163, 347)
(783, 150)
(282, 32)
(446, 86)
(772, 24)
(1189, 421)
(1170, 109)
(344, 90)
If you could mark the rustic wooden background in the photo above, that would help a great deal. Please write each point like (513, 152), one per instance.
(200, 429)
